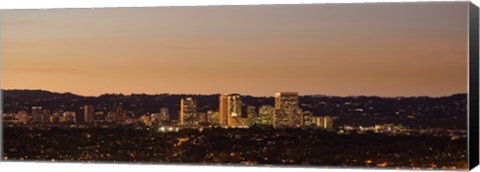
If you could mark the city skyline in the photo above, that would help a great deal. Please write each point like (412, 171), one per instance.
(410, 49)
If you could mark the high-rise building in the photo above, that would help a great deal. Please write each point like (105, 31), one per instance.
(287, 112)
(88, 115)
(234, 110)
(188, 112)
(222, 113)
(230, 110)
(37, 115)
(265, 115)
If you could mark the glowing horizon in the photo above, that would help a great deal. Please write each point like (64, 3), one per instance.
(384, 49)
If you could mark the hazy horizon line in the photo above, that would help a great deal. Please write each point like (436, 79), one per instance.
(317, 94)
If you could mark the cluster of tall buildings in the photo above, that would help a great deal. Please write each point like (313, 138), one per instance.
(43, 116)
(39, 115)
(234, 113)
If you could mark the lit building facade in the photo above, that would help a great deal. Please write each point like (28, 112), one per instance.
(230, 110)
(213, 118)
(222, 113)
(70, 117)
(325, 122)
(308, 119)
(22, 117)
(88, 115)
(55, 118)
(37, 114)
(188, 112)
(287, 112)
(252, 113)
(40, 116)
(265, 115)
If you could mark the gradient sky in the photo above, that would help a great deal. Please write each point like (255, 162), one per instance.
(407, 49)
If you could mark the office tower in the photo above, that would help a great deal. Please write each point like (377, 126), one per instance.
(188, 112)
(164, 114)
(22, 117)
(234, 110)
(88, 113)
(287, 112)
(70, 117)
(230, 110)
(37, 114)
(222, 116)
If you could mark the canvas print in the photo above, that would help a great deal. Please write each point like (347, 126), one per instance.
(377, 85)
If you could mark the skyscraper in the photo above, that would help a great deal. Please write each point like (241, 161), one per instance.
(222, 116)
(230, 110)
(287, 112)
(188, 112)
(88, 115)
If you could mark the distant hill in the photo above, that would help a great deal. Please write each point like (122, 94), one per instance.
(36, 94)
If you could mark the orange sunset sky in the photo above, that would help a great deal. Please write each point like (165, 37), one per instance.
(387, 49)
